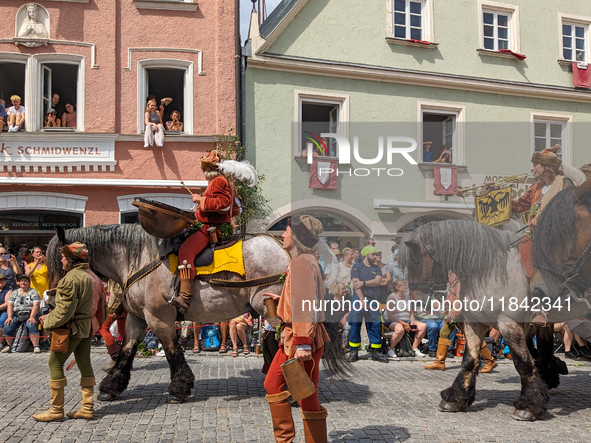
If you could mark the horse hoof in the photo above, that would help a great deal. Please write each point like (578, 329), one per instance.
(105, 396)
(446, 406)
(174, 399)
(523, 415)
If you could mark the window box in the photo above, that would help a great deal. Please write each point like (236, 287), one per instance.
(488, 53)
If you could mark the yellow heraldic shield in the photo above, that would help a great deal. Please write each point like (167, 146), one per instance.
(494, 208)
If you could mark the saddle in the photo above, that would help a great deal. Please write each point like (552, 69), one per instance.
(205, 257)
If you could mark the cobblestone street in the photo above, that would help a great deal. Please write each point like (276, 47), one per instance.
(383, 402)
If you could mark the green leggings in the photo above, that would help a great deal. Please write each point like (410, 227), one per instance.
(81, 349)
(446, 330)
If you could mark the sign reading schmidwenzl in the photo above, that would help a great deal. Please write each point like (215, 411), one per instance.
(96, 151)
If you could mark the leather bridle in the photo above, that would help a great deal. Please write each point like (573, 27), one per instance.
(431, 287)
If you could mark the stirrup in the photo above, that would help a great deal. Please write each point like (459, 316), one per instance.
(170, 302)
(538, 324)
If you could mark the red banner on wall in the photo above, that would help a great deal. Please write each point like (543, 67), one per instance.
(323, 175)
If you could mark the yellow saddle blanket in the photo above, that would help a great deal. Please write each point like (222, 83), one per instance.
(228, 259)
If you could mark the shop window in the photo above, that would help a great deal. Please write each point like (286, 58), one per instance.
(129, 218)
(166, 78)
(12, 82)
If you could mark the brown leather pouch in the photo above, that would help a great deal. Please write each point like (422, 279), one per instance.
(60, 340)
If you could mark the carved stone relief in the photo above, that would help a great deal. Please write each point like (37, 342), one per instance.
(32, 25)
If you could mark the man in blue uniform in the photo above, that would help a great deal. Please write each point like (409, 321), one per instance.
(365, 278)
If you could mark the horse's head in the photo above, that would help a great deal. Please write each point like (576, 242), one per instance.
(422, 263)
(563, 265)
(53, 254)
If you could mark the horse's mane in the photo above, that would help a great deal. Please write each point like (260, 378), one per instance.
(101, 240)
(470, 250)
(556, 232)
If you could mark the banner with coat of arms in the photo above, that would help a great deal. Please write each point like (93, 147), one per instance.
(494, 208)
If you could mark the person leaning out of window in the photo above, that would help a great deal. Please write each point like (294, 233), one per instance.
(154, 128)
(175, 123)
(51, 120)
(69, 117)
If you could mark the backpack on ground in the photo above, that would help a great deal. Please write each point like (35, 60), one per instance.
(209, 338)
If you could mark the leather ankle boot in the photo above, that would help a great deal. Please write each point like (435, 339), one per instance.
(183, 301)
(489, 361)
(315, 426)
(56, 410)
(87, 409)
(283, 426)
(439, 363)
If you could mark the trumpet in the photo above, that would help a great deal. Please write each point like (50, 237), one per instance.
(478, 191)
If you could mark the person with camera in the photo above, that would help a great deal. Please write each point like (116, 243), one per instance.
(23, 307)
(10, 268)
(37, 271)
(71, 325)
(5, 293)
(175, 123)
(399, 318)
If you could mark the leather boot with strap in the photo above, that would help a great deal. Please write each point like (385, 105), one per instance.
(87, 409)
(283, 426)
(439, 363)
(56, 410)
(489, 361)
(315, 426)
(183, 301)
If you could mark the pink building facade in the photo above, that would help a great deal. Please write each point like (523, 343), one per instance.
(106, 58)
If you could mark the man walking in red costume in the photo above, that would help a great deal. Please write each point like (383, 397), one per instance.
(302, 335)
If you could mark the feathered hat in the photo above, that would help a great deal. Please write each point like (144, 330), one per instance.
(240, 170)
(547, 157)
(76, 249)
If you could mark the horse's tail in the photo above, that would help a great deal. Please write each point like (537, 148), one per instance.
(335, 358)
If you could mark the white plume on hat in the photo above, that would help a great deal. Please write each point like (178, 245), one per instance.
(241, 170)
(576, 175)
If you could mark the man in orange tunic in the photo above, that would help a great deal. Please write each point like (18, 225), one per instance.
(303, 334)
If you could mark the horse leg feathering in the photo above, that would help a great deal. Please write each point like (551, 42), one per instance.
(118, 377)
(532, 403)
(461, 394)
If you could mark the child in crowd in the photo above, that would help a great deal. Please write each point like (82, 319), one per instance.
(16, 114)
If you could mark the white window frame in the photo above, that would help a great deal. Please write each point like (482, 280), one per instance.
(459, 111)
(502, 8)
(142, 89)
(39, 61)
(426, 22)
(574, 20)
(567, 133)
(34, 81)
(342, 100)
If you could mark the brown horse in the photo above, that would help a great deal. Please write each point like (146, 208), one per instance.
(491, 273)
(118, 251)
(562, 254)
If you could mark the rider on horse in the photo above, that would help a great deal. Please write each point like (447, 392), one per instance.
(218, 204)
(546, 169)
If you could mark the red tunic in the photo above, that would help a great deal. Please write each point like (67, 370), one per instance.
(217, 203)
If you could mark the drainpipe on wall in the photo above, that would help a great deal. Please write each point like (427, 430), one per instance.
(239, 76)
